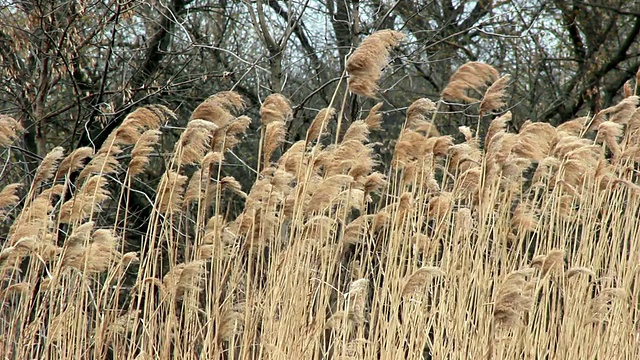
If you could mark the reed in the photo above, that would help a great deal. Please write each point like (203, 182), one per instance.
(514, 247)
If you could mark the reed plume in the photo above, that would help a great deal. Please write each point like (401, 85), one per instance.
(553, 261)
(195, 189)
(374, 182)
(534, 141)
(374, 118)
(357, 300)
(141, 151)
(184, 277)
(602, 305)
(275, 108)
(9, 129)
(357, 131)
(91, 251)
(610, 132)
(103, 163)
(231, 323)
(467, 82)
(579, 270)
(230, 183)
(170, 191)
(48, 166)
(291, 160)
(493, 98)
(573, 127)
(86, 202)
(319, 124)
(274, 137)
(327, 192)
(417, 117)
(497, 126)
(63, 324)
(193, 144)
(419, 278)
(219, 108)
(228, 136)
(524, 218)
(512, 300)
(8, 197)
(440, 205)
(124, 324)
(365, 65)
(627, 91)
(266, 272)
(33, 220)
(74, 161)
(149, 117)
(621, 112)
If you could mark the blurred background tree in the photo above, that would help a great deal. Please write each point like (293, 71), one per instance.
(72, 70)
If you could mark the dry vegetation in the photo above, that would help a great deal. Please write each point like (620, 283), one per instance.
(506, 246)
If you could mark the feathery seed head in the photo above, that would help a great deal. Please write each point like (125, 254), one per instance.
(9, 129)
(417, 117)
(275, 108)
(184, 277)
(357, 296)
(319, 124)
(367, 61)
(170, 191)
(418, 279)
(374, 119)
(73, 161)
(579, 270)
(48, 166)
(494, 96)
(274, 137)
(8, 196)
(468, 81)
(141, 151)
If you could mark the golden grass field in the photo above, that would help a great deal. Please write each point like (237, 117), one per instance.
(503, 246)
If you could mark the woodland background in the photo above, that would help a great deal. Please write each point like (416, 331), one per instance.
(72, 70)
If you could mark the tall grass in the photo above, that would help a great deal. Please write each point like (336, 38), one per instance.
(509, 245)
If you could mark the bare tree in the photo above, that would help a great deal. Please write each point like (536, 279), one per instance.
(72, 71)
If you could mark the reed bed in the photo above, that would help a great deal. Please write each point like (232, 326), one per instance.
(509, 245)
